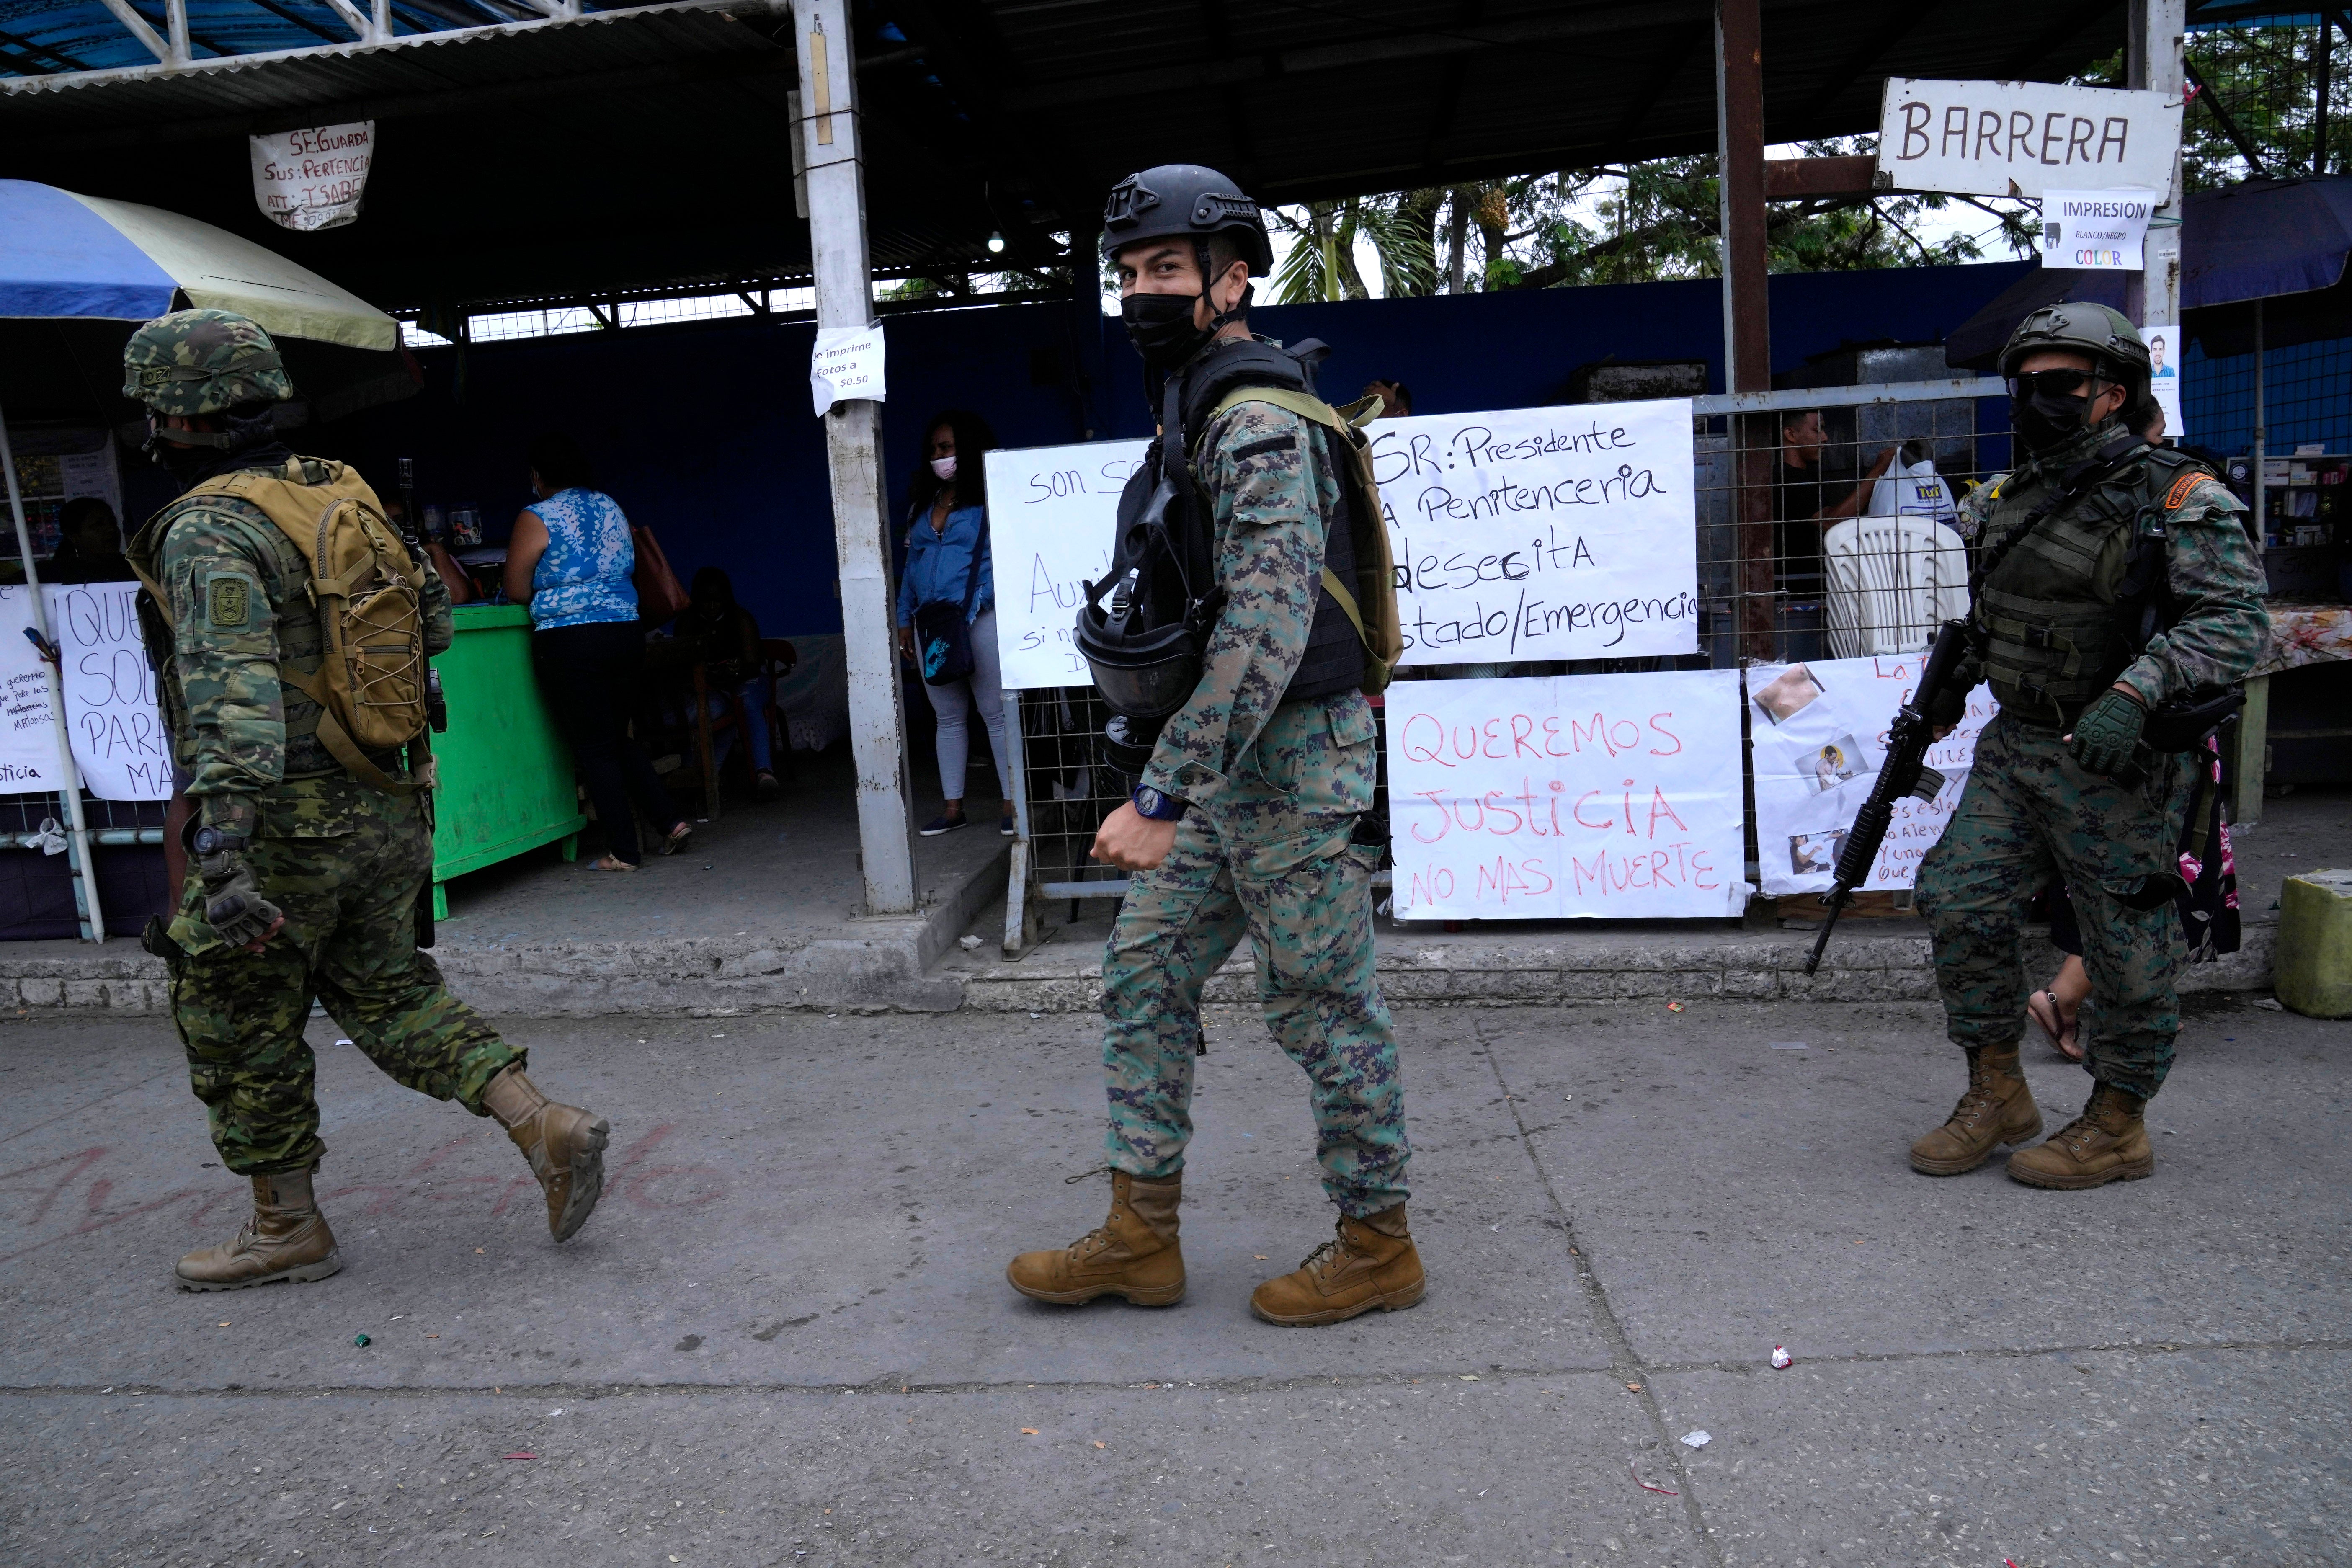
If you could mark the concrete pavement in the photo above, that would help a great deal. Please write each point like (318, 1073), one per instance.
(785, 1338)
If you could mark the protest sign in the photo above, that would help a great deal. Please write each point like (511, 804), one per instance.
(846, 363)
(1541, 533)
(2020, 138)
(109, 688)
(1600, 796)
(2095, 231)
(314, 179)
(1817, 735)
(1051, 514)
(28, 726)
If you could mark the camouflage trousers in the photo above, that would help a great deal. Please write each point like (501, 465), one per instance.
(1275, 859)
(2031, 812)
(349, 939)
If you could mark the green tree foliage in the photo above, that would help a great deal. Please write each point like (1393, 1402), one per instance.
(2256, 105)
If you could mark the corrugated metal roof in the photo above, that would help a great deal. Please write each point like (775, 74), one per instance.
(643, 145)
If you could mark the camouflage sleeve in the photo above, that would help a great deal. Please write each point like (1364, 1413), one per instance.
(225, 652)
(440, 628)
(1271, 492)
(2217, 587)
(1976, 507)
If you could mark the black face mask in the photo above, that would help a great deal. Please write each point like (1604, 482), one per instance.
(1160, 327)
(2045, 420)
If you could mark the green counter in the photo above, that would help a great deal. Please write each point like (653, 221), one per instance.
(506, 774)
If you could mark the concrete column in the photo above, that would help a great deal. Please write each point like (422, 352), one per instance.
(2152, 59)
(832, 146)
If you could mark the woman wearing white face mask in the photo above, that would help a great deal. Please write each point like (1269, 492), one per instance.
(947, 580)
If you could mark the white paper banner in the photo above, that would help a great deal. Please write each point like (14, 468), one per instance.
(1565, 533)
(2095, 231)
(2020, 138)
(847, 363)
(2164, 374)
(1603, 795)
(1051, 514)
(29, 729)
(1816, 733)
(314, 179)
(110, 712)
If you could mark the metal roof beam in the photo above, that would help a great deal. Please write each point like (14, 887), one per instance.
(149, 39)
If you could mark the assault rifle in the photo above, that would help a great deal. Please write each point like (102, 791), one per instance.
(1905, 772)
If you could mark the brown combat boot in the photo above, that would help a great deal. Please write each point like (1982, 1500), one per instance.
(1997, 1109)
(1370, 1263)
(565, 1144)
(1134, 1253)
(2108, 1143)
(287, 1238)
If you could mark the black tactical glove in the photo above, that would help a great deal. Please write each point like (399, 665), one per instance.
(234, 906)
(2107, 734)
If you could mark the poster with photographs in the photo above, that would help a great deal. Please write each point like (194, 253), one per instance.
(1817, 737)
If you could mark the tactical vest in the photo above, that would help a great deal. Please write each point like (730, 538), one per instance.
(301, 637)
(2075, 600)
(1334, 660)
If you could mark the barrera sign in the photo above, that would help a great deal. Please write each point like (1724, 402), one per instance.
(2023, 138)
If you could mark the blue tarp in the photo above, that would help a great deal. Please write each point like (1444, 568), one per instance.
(62, 259)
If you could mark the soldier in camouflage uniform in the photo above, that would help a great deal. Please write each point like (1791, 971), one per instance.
(309, 871)
(2137, 591)
(1251, 814)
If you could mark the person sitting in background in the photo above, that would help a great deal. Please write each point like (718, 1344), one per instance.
(947, 561)
(89, 546)
(722, 636)
(569, 559)
(1396, 398)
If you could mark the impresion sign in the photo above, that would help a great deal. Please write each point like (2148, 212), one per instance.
(2025, 137)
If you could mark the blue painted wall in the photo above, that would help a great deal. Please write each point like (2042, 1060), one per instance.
(705, 432)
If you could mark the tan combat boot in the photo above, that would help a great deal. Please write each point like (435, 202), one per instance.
(1134, 1253)
(565, 1143)
(2108, 1143)
(1997, 1109)
(287, 1238)
(1371, 1263)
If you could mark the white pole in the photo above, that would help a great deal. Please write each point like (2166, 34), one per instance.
(853, 434)
(2153, 60)
(84, 868)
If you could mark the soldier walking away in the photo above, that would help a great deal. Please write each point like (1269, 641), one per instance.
(312, 838)
(2116, 611)
(1252, 808)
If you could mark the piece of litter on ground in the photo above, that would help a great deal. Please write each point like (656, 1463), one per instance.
(1633, 1388)
(2270, 1003)
(1789, 1044)
(521, 1455)
(969, 943)
(1029, 1432)
(1696, 1438)
(1467, 1377)
(1781, 1359)
(1099, 1443)
(1673, 1006)
(361, 1341)
(342, 1042)
(557, 1411)
(1565, 1098)
(1646, 1485)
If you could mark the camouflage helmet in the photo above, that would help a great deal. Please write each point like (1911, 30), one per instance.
(2103, 336)
(203, 362)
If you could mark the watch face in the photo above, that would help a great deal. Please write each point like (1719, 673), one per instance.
(1147, 801)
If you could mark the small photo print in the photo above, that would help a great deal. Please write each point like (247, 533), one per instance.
(1828, 766)
(1811, 852)
(1788, 694)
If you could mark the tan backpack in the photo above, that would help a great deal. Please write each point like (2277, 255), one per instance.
(370, 681)
(1370, 602)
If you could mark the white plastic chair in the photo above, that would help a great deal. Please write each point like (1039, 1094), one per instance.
(1889, 582)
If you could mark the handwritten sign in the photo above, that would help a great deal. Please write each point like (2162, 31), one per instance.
(2095, 231)
(109, 688)
(1817, 736)
(314, 179)
(1052, 512)
(28, 726)
(847, 365)
(1565, 533)
(2021, 138)
(1613, 797)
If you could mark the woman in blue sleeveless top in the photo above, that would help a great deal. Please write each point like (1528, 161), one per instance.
(569, 558)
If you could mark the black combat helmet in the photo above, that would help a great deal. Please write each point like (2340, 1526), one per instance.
(1187, 200)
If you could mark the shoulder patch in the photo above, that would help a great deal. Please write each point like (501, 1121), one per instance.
(2200, 488)
(228, 601)
(1286, 442)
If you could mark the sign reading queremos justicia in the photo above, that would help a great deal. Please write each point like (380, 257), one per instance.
(2025, 138)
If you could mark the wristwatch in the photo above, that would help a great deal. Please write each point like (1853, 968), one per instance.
(1157, 807)
(210, 841)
